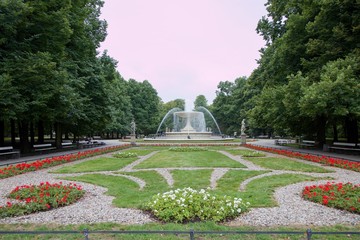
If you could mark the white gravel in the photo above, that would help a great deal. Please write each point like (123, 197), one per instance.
(96, 206)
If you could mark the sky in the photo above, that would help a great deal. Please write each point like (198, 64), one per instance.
(184, 48)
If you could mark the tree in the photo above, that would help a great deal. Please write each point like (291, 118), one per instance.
(200, 101)
(145, 106)
(302, 38)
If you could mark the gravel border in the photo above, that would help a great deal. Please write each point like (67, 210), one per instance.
(97, 207)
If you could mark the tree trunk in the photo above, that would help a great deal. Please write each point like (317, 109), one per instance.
(41, 131)
(24, 136)
(74, 138)
(335, 132)
(351, 127)
(32, 133)
(51, 132)
(58, 135)
(2, 132)
(13, 132)
(321, 131)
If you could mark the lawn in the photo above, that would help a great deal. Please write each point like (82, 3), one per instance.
(276, 163)
(172, 159)
(245, 153)
(259, 192)
(96, 165)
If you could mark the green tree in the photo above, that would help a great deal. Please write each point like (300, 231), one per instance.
(145, 106)
(200, 101)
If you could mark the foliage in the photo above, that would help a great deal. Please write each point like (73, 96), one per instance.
(306, 82)
(330, 161)
(21, 168)
(246, 153)
(184, 205)
(145, 106)
(43, 197)
(200, 101)
(187, 149)
(125, 155)
(345, 196)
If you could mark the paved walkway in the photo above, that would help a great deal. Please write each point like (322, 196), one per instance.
(97, 206)
(271, 143)
(261, 142)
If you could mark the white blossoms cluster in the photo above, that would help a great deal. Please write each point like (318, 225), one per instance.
(187, 149)
(125, 155)
(187, 204)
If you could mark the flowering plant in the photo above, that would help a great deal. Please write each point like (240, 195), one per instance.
(125, 155)
(40, 198)
(187, 149)
(335, 162)
(20, 168)
(184, 205)
(337, 195)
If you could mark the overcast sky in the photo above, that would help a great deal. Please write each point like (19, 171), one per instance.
(184, 48)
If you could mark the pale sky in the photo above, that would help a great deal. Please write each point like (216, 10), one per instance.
(184, 48)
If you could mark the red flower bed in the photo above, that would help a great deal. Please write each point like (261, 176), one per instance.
(337, 195)
(40, 198)
(335, 162)
(53, 161)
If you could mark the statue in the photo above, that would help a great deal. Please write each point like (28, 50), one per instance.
(133, 127)
(243, 127)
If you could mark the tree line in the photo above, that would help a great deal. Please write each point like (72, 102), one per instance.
(307, 82)
(53, 81)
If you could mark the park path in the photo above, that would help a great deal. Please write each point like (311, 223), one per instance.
(97, 206)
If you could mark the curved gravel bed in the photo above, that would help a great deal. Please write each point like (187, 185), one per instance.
(95, 206)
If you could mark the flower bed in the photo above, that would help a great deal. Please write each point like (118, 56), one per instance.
(187, 149)
(337, 195)
(184, 205)
(125, 155)
(43, 197)
(20, 168)
(335, 162)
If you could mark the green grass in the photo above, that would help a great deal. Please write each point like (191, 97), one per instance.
(231, 181)
(286, 164)
(98, 164)
(142, 151)
(196, 179)
(207, 226)
(170, 159)
(126, 192)
(246, 153)
(259, 192)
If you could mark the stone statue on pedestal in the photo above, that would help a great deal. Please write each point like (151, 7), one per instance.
(243, 134)
(243, 126)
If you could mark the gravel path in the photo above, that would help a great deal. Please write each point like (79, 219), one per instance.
(96, 206)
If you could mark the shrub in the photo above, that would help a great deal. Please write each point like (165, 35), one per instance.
(337, 195)
(187, 149)
(185, 205)
(125, 155)
(43, 197)
(24, 167)
(330, 161)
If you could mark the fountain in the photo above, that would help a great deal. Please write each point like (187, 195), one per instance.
(187, 125)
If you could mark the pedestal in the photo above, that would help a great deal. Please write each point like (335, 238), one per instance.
(133, 139)
(243, 139)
